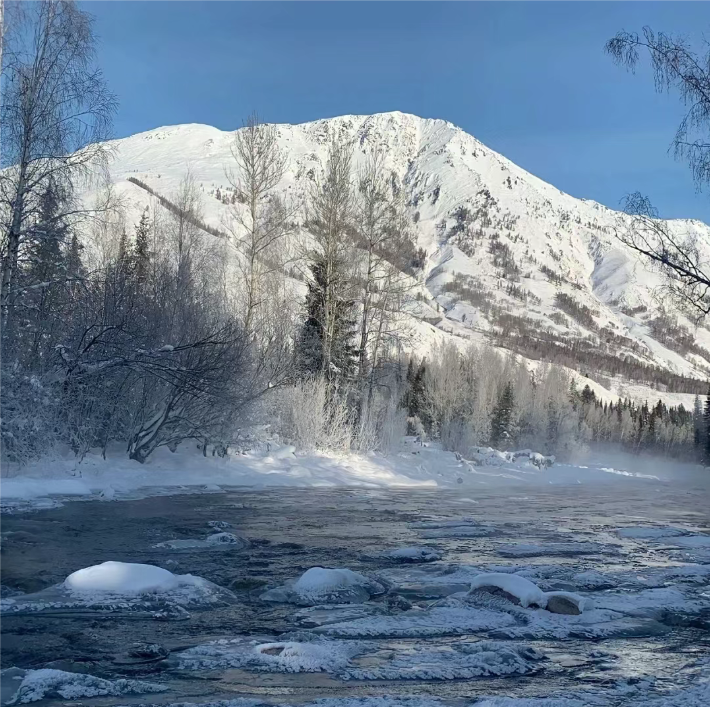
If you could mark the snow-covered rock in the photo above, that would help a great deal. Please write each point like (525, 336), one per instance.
(566, 603)
(523, 590)
(122, 587)
(122, 578)
(320, 585)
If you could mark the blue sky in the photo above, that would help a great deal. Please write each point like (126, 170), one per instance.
(530, 79)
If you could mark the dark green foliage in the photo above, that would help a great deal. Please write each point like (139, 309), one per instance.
(311, 345)
(502, 432)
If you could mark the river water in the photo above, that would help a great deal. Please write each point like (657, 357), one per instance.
(292, 530)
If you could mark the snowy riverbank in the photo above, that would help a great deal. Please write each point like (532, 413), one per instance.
(43, 483)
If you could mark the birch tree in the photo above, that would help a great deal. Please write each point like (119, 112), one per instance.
(55, 112)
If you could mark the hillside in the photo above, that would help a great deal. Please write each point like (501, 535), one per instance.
(509, 258)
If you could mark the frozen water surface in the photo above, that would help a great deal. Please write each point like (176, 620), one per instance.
(336, 601)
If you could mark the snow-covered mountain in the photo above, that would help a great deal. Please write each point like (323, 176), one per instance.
(510, 258)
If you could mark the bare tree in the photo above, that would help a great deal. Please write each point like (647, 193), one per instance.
(55, 112)
(258, 220)
(383, 229)
(675, 66)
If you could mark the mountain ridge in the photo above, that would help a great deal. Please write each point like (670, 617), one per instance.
(505, 249)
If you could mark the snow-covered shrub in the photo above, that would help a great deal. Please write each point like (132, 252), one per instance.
(311, 420)
(29, 416)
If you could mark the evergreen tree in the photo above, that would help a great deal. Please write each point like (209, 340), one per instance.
(502, 419)
(342, 319)
(697, 423)
(141, 251)
(706, 426)
(588, 395)
(44, 276)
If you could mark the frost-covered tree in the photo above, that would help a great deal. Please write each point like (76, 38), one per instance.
(55, 112)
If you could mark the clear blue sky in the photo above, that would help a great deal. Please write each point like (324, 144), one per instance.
(530, 79)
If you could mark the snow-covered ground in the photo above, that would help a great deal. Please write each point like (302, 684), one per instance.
(414, 465)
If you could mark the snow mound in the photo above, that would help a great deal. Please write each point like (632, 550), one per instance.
(320, 585)
(122, 588)
(265, 655)
(122, 578)
(459, 661)
(42, 684)
(523, 589)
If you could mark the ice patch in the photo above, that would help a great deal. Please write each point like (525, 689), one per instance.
(452, 619)
(640, 533)
(456, 662)
(558, 549)
(211, 542)
(266, 655)
(692, 541)
(35, 685)
(412, 554)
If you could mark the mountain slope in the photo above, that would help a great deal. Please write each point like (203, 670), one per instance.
(510, 258)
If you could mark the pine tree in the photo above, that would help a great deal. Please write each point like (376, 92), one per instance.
(706, 426)
(141, 251)
(343, 354)
(502, 419)
(45, 275)
(588, 395)
(697, 423)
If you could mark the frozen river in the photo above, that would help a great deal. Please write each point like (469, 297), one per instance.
(418, 636)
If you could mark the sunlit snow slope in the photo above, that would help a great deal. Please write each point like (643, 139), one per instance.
(502, 245)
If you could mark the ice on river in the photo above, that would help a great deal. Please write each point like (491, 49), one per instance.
(320, 585)
(357, 660)
(647, 533)
(211, 542)
(122, 587)
(411, 555)
(269, 655)
(553, 549)
(35, 685)
(454, 618)
(454, 662)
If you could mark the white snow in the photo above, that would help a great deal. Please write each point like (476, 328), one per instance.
(122, 578)
(37, 685)
(266, 655)
(526, 592)
(320, 585)
(45, 482)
